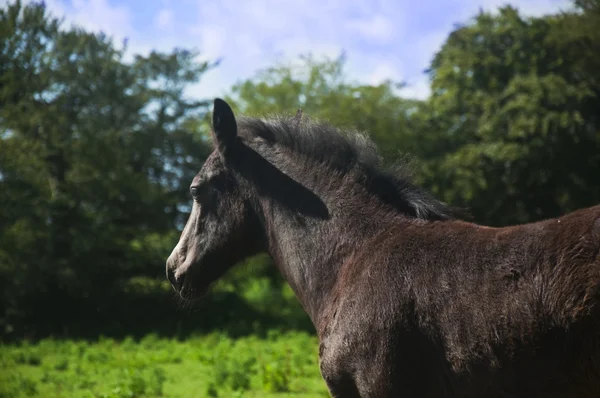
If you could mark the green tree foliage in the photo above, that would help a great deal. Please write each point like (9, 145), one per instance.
(515, 105)
(96, 155)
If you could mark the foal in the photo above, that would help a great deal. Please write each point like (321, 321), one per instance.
(407, 300)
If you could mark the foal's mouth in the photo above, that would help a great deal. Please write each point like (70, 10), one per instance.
(186, 285)
(186, 291)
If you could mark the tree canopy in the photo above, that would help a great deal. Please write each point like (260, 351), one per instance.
(96, 155)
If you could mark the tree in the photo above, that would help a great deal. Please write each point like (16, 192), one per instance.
(516, 113)
(95, 159)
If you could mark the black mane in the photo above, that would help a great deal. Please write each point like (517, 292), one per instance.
(348, 152)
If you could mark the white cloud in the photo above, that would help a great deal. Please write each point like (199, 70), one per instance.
(212, 41)
(98, 15)
(416, 89)
(95, 16)
(382, 72)
(249, 47)
(377, 27)
(525, 7)
(375, 70)
(92, 15)
(263, 13)
(252, 35)
(426, 47)
(215, 83)
(291, 47)
(56, 7)
(164, 18)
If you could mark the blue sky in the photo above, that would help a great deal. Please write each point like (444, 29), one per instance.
(381, 38)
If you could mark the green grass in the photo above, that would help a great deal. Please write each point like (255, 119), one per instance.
(279, 365)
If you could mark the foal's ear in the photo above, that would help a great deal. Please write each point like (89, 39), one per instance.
(224, 126)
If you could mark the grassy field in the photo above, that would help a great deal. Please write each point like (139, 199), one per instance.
(278, 365)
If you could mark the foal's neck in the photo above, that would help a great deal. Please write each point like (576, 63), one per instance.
(309, 252)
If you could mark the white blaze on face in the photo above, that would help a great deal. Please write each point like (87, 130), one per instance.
(186, 241)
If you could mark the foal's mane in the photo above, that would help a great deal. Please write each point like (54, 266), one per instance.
(347, 152)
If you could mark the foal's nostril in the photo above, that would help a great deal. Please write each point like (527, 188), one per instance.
(173, 279)
(179, 282)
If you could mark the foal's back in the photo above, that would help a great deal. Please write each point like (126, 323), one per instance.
(451, 308)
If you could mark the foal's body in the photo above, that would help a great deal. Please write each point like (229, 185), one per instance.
(485, 312)
(407, 300)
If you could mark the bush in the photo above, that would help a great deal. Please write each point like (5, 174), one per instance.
(213, 365)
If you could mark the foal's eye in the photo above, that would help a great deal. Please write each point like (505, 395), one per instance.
(200, 192)
(196, 192)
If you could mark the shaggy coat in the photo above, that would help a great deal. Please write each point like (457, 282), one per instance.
(408, 300)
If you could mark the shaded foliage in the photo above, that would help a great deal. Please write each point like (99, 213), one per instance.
(96, 157)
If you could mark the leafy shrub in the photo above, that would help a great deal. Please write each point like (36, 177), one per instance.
(213, 365)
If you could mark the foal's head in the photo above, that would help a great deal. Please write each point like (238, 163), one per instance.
(260, 168)
(222, 228)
